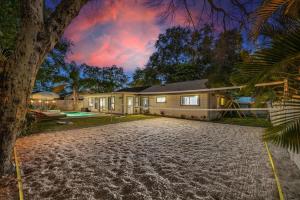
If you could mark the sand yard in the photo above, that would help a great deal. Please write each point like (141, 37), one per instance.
(161, 159)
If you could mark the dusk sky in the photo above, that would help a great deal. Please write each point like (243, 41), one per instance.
(118, 32)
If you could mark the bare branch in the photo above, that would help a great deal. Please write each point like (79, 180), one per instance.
(61, 18)
(189, 14)
(227, 12)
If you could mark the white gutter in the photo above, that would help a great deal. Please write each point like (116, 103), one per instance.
(193, 91)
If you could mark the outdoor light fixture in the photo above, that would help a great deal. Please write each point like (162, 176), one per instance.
(222, 101)
(53, 101)
(40, 101)
(47, 102)
(32, 101)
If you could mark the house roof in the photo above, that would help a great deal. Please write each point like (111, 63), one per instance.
(134, 89)
(179, 86)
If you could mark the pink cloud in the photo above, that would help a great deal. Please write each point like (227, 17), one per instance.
(117, 32)
(121, 33)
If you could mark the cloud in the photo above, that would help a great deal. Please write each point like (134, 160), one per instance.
(117, 32)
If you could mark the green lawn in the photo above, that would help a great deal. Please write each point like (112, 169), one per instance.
(248, 121)
(48, 126)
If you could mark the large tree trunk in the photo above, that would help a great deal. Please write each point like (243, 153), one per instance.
(17, 75)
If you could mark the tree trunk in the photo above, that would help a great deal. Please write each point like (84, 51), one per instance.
(75, 98)
(18, 72)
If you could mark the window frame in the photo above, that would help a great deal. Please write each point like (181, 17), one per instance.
(189, 96)
(165, 101)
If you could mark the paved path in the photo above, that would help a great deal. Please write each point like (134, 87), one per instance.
(161, 159)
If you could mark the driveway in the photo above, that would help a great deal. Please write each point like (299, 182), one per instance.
(162, 158)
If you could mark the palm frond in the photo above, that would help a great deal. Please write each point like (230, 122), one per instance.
(280, 61)
(283, 53)
(268, 9)
(281, 25)
(286, 129)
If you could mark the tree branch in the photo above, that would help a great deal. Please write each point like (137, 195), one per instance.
(189, 14)
(61, 18)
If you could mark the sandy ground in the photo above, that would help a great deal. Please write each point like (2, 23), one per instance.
(8, 188)
(288, 173)
(167, 159)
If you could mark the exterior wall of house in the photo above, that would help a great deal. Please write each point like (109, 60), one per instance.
(131, 107)
(173, 107)
(132, 103)
(92, 102)
(125, 103)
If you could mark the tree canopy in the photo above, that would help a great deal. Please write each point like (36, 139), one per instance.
(105, 79)
(183, 54)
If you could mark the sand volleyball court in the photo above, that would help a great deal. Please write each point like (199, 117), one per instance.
(160, 159)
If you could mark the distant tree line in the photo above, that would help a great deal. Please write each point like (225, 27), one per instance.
(55, 72)
(182, 54)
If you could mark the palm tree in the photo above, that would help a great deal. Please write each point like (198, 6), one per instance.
(279, 60)
(71, 77)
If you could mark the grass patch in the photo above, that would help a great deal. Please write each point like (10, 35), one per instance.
(248, 121)
(48, 126)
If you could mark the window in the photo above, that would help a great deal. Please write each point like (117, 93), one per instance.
(137, 102)
(102, 103)
(96, 103)
(161, 99)
(190, 100)
(145, 102)
(111, 103)
(91, 102)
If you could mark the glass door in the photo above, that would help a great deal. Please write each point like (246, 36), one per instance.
(102, 104)
(129, 105)
(145, 104)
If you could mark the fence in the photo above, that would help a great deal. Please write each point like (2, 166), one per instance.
(67, 105)
(283, 112)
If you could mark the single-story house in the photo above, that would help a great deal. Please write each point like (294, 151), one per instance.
(189, 99)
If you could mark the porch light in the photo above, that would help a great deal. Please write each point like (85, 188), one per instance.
(40, 101)
(222, 101)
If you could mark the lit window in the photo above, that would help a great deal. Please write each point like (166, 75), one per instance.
(190, 100)
(137, 102)
(145, 102)
(161, 99)
(91, 102)
(111, 103)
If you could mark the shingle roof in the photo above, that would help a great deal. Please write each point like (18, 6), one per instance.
(179, 86)
(134, 89)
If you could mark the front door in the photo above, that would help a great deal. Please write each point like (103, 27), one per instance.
(102, 104)
(129, 105)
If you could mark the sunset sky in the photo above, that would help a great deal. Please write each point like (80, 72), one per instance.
(120, 32)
